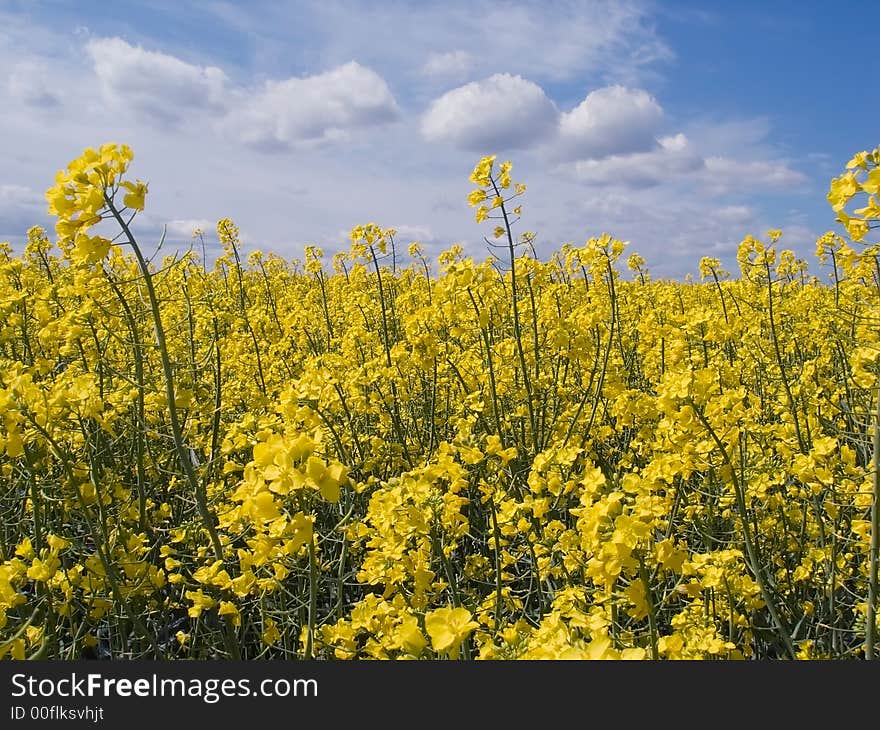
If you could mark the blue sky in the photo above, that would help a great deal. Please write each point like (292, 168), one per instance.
(680, 127)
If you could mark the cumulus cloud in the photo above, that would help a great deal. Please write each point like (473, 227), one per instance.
(314, 109)
(734, 214)
(500, 112)
(29, 83)
(559, 40)
(409, 233)
(725, 174)
(612, 138)
(452, 64)
(670, 230)
(158, 85)
(612, 120)
(280, 114)
(19, 195)
(184, 227)
(20, 208)
(672, 158)
(673, 195)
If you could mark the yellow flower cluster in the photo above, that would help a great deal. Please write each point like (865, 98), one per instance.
(82, 194)
(862, 177)
(370, 459)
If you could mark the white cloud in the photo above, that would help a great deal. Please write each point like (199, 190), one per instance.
(19, 195)
(799, 238)
(282, 113)
(158, 85)
(660, 196)
(184, 227)
(409, 233)
(29, 82)
(613, 41)
(725, 174)
(730, 137)
(671, 231)
(672, 158)
(610, 121)
(452, 64)
(498, 113)
(704, 160)
(313, 109)
(734, 213)
(20, 208)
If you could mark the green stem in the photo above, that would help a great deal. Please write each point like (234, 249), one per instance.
(517, 328)
(168, 371)
(871, 620)
(313, 600)
(496, 536)
(652, 611)
(754, 564)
